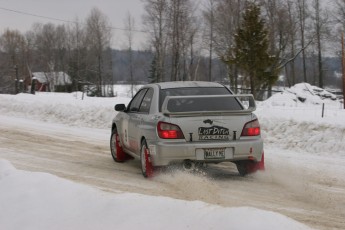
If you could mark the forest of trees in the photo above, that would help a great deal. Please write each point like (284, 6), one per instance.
(247, 44)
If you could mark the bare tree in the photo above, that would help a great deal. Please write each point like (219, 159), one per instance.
(271, 9)
(339, 13)
(189, 31)
(10, 44)
(98, 36)
(320, 26)
(194, 57)
(227, 21)
(283, 34)
(46, 46)
(61, 51)
(76, 52)
(292, 31)
(155, 20)
(130, 26)
(209, 15)
(13, 47)
(172, 27)
(302, 9)
(180, 14)
(175, 15)
(30, 50)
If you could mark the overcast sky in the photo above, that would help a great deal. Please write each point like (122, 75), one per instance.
(115, 10)
(69, 10)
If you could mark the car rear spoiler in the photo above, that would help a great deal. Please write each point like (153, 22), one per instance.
(246, 101)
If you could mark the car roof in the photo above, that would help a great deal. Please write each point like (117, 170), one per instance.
(187, 84)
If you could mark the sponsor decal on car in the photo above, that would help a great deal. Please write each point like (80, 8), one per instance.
(213, 133)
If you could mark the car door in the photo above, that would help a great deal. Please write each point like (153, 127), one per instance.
(130, 120)
(134, 119)
(136, 129)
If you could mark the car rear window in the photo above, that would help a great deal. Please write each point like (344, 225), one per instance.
(199, 104)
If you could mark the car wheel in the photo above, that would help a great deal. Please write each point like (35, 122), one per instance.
(247, 167)
(116, 149)
(145, 159)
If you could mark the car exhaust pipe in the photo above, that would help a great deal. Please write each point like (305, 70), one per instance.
(188, 165)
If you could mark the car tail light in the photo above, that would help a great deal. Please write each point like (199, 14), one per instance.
(169, 131)
(251, 128)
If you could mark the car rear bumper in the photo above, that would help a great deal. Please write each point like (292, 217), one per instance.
(167, 152)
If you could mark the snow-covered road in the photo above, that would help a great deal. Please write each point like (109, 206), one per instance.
(308, 188)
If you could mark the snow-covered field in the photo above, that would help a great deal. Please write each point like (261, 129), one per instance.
(296, 136)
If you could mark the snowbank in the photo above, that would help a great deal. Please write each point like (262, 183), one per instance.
(302, 93)
(66, 108)
(293, 120)
(43, 201)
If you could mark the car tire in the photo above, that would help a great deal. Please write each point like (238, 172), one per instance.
(247, 167)
(243, 167)
(145, 159)
(116, 149)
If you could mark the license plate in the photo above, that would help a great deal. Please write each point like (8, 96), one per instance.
(214, 153)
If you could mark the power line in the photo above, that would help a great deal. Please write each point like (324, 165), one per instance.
(62, 20)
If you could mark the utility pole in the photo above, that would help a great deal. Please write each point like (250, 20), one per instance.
(343, 65)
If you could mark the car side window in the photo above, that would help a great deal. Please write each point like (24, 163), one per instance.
(136, 101)
(146, 103)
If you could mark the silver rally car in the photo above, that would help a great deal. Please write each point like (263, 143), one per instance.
(190, 123)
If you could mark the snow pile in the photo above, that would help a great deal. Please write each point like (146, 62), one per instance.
(302, 93)
(43, 201)
(304, 117)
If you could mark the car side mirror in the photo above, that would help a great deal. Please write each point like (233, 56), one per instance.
(120, 107)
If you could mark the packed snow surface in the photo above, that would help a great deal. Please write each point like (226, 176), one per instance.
(30, 200)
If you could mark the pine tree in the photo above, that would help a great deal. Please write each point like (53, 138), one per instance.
(251, 50)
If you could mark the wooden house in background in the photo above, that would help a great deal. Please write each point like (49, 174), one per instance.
(51, 81)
